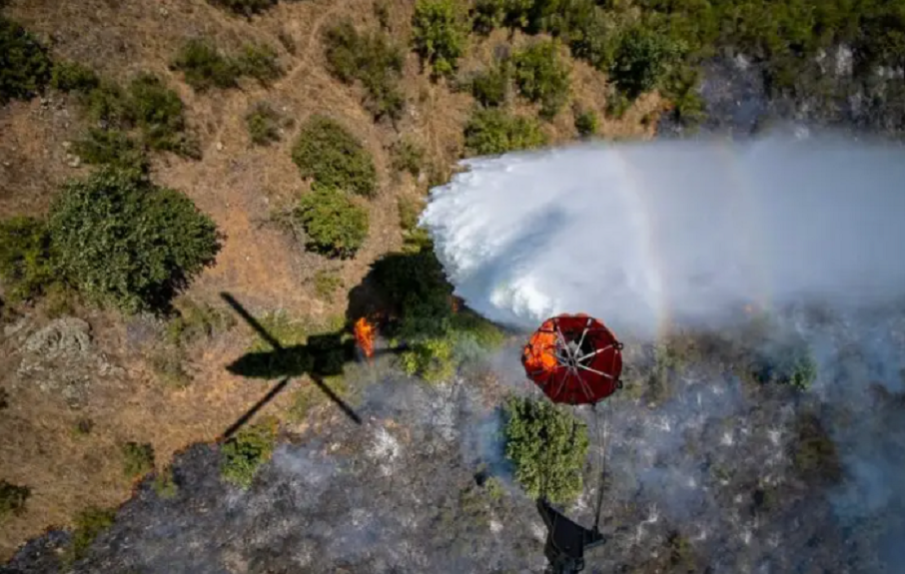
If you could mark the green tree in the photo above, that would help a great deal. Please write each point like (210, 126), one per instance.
(327, 153)
(334, 224)
(439, 33)
(543, 76)
(586, 123)
(25, 65)
(204, 67)
(125, 241)
(490, 14)
(26, 265)
(641, 61)
(372, 59)
(243, 454)
(495, 131)
(548, 447)
(491, 88)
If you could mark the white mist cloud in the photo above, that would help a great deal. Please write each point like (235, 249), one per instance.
(638, 234)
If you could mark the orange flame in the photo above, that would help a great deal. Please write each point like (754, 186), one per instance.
(539, 353)
(364, 337)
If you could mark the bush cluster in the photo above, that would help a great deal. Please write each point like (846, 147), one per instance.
(263, 124)
(26, 264)
(548, 447)
(205, 67)
(372, 59)
(495, 131)
(491, 87)
(542, 76)
(25, 65)
(243, 454)
(12, 498)
(138, 459)
(245, 7)
(89, 524)
(122, 240)
(586, 123)
(335, 225)
(439, 33)
(332, 157)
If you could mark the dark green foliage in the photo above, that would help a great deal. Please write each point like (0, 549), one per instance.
(491, 88)
(542, 76)
(25, 65)
(548, 447)
(112, 147)
(788, 364)
(73, 77)
(12, 498)
(109, 106)
(642, 59)
(371, 59)
(26, 263)
(439, 33)
(334, 224)
(495, 131)
(814, 454)
(414, 286)
(198, 321)
(204, 67)
(159, 114)
(245, 7)
(124, 241)
(490, 14)
(259, 61)
(246, 451)
(414, 238)
(586, 123)
(327, 153)
(263, 124)
(407, 156)
(138, 459)
(89, 524)
(165, 485)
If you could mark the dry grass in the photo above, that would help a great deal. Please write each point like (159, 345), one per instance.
(239, 185)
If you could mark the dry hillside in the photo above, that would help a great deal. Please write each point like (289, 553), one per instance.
(62, 367)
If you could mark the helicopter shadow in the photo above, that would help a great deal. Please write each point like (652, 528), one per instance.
(322, 356)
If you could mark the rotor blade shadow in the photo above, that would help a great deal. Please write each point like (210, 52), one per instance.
(322, 355)
(277, 389)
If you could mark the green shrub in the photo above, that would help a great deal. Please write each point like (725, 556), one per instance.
(586, 123)
(111, 147)
(414, 287)
(371, 59)
(641, 61)
(327, 153)
(334, 224)
(123, 240)
(543, 77)
(263, 124)
(204, 67)
(73, 77)
(815, 457)
(25, 65)
(138, 459)
(548, 447)
(414, 238)
(197, 321)
(89, 524)
(491, 88)
(164, 484)
(490, 14)
(259, 61)
(159, 114)
(169, 367)
(326, 284)
(108, 105)
(439, 33)
(246, 451)
(26, 263)
(12, 498)
(407, 156)
(791, 364)
(495, 131)
(245, 7)
(431, 359)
